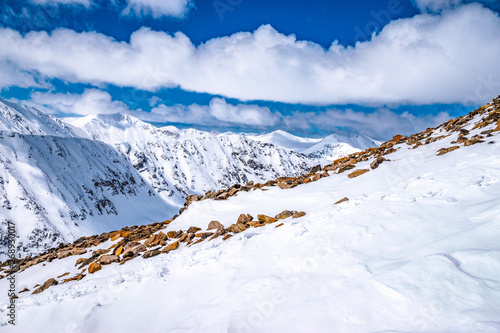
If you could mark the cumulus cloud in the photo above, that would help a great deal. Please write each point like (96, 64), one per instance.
(425, 59)
(158, 8)
(437, 6)
(92, 101)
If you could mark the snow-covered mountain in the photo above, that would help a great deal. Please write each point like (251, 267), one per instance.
(402, 238)
(329, 148)
(182, 162)
(57, 187)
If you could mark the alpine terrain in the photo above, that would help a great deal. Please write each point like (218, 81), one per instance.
(397, 238)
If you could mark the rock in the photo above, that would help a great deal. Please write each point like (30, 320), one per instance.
(63, 254)
(233, 191)
(379, 160)
(155, 240)
(192, 230)
(342, 200)
(171, 247)
(280, 225)
(285, 185)
(77, 251)
(443, 151)
(315, 169)
(80, 260)
(100, 252)
(284, 214)
(215, 235)
(171, 234)
(24, 290)
(130, 245)
(60, 276)
(357, 173)
(94, 267)
(151, 254)
(75, 278)
(193, 198)
(204, 235)
(134, 250)
(45, 286)
(244, 218)
(118, 250)
(255, 224)
(115, 235)
(215, 225)
(298, 214)
(226, 237)
(265, 219)
(125, 233)
(223, 196)
(237, 228)
(108, 259)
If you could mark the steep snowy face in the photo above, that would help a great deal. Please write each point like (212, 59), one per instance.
(330, 148)
(336, 146)
(27, 120)
(57, 189)
(182, 162)
(286, 140)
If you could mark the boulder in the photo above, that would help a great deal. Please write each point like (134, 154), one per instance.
(284, 214)
(215, 225)
(226, 237)
(265, 219)
(118, 250)
(94, 267)
(193, 230)
(171, 247)
(342, 200)
(357, 173)
(204, 235)
(298, 214)
(379, 160)
(108, 259)
(45, 286)
(244, 218)
(100, 252)
(131, 252)
(77, 251)
(443, 151)
(151, 253)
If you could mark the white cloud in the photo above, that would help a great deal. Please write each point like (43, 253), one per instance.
(158, 8)
(436, 6)
(85, 3)
(447, 58)
(92, 101)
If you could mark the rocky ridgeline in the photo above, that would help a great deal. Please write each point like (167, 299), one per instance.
(131, 242)
(490, 115)
(149, 241)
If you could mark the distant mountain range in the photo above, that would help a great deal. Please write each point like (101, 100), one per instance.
(62, 179)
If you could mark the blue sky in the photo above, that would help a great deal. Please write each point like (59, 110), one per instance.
(311, 68)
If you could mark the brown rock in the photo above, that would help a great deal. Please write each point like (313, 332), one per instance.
(226, 237)
(63, 254)
(125, 233)
(265, 219)
(80, 260)
(215, 225)
(77, 251)
(155, 240)
(108, 259)
(118, 250)
(100, 252)
(345, 199)
(151, 253)
(357, 173)
(24, 290)
(171, 234)
(379, 160)
(244, 218)
(255, 224)
(75, 278)
(204, 235)
(298, 214)
(192, 230)
(45, 286)
(171, 247)
(284, 214)
(115, 235)
(443, 151)
(131, 252)
(94, 267)
(280, 225)
(237, 228)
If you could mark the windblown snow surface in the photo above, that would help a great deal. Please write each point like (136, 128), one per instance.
(415, 249)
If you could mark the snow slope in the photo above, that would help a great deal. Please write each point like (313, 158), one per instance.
(182, 162)
(286, 140)
(57, 189)
(415, 249)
